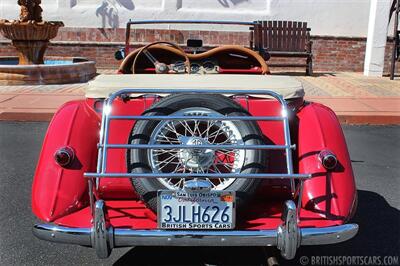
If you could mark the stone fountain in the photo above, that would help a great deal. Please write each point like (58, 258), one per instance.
(30, 36)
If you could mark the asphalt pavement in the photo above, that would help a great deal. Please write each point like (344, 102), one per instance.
(374, 151)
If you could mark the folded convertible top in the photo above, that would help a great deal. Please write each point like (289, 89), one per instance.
(102, 86)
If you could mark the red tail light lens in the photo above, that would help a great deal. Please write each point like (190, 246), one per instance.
(328, 159)
(64, 156)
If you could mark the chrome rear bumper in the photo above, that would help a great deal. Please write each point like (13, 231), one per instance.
(287, 237)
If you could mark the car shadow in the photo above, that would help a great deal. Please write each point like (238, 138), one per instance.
(379, 235)
(301, 73)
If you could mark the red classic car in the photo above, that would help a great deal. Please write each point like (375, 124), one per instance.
(194, 147)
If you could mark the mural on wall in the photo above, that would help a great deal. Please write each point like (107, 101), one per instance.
(228, 3)
(108, 11)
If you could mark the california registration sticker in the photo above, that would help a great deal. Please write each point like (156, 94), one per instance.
(227, 198)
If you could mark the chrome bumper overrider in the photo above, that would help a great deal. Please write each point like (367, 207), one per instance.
(287, 237)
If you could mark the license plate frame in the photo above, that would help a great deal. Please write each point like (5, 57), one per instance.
(230, 201)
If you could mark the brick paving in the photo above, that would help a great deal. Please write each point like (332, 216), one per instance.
(349, 84)
(354, 97)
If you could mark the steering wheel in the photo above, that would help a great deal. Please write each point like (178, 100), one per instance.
(162, 68)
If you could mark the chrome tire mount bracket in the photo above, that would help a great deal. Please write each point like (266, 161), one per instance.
(102, 237)
(288, 235)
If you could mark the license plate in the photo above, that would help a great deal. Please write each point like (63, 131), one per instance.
(196, 210)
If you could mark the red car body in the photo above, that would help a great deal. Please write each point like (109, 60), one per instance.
(60, 195)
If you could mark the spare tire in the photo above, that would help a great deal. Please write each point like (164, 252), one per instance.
(195, 132)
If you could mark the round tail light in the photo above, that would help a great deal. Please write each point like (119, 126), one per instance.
(328, 159)
(64, 156)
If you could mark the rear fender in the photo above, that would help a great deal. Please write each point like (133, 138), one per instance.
(332, 194)
(57, 190)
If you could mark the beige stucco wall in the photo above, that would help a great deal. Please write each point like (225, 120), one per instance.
(325, 17)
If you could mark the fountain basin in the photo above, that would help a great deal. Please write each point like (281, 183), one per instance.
(32, 31)
(55, 70)
(30, 38)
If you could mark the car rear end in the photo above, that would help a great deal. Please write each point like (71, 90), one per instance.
(305, 194)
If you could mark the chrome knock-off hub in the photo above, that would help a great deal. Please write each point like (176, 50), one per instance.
(197, 159)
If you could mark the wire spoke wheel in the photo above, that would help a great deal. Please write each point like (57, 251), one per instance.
(196, 132)
(193, 133)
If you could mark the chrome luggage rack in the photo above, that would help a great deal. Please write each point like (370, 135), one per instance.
(287, 237)
(104, 145)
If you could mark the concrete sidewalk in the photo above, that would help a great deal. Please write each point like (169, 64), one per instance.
(356, 99)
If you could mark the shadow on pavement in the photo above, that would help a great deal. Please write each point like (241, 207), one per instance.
(379, 235)
(379, 226)
(302, 73)
(193, 256)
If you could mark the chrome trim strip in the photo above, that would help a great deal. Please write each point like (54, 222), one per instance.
(129, 237)
(106, 112)
(328, 235)
(205, 118)
(99, 159)
(125, 237)
(198, 175)
(204, 146)
(62, 234)
(289, 161)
